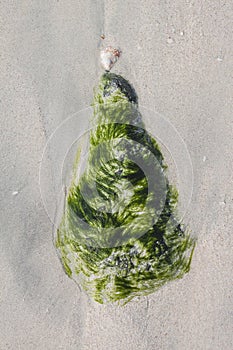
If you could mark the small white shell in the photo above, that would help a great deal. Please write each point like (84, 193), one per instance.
(109, 57)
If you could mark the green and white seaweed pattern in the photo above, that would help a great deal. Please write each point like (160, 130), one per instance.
(108, 239)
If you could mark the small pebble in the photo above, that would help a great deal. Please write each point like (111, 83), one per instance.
(219, 59)
(169, 40)
(204, 159)
(109, 57)
(182, 33)
(14, 193)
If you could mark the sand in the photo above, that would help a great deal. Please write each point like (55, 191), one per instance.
(178, 55)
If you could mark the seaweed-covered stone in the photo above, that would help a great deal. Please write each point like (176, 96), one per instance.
(119, 236)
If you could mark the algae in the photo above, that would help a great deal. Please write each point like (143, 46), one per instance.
(119, 236)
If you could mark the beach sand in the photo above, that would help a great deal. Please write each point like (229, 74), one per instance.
(178, 55)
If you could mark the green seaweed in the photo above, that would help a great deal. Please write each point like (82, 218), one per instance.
(119, 236)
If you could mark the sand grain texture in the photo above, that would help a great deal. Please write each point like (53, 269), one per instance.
(178, 55)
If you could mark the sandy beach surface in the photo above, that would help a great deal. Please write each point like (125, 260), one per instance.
(178, 55)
